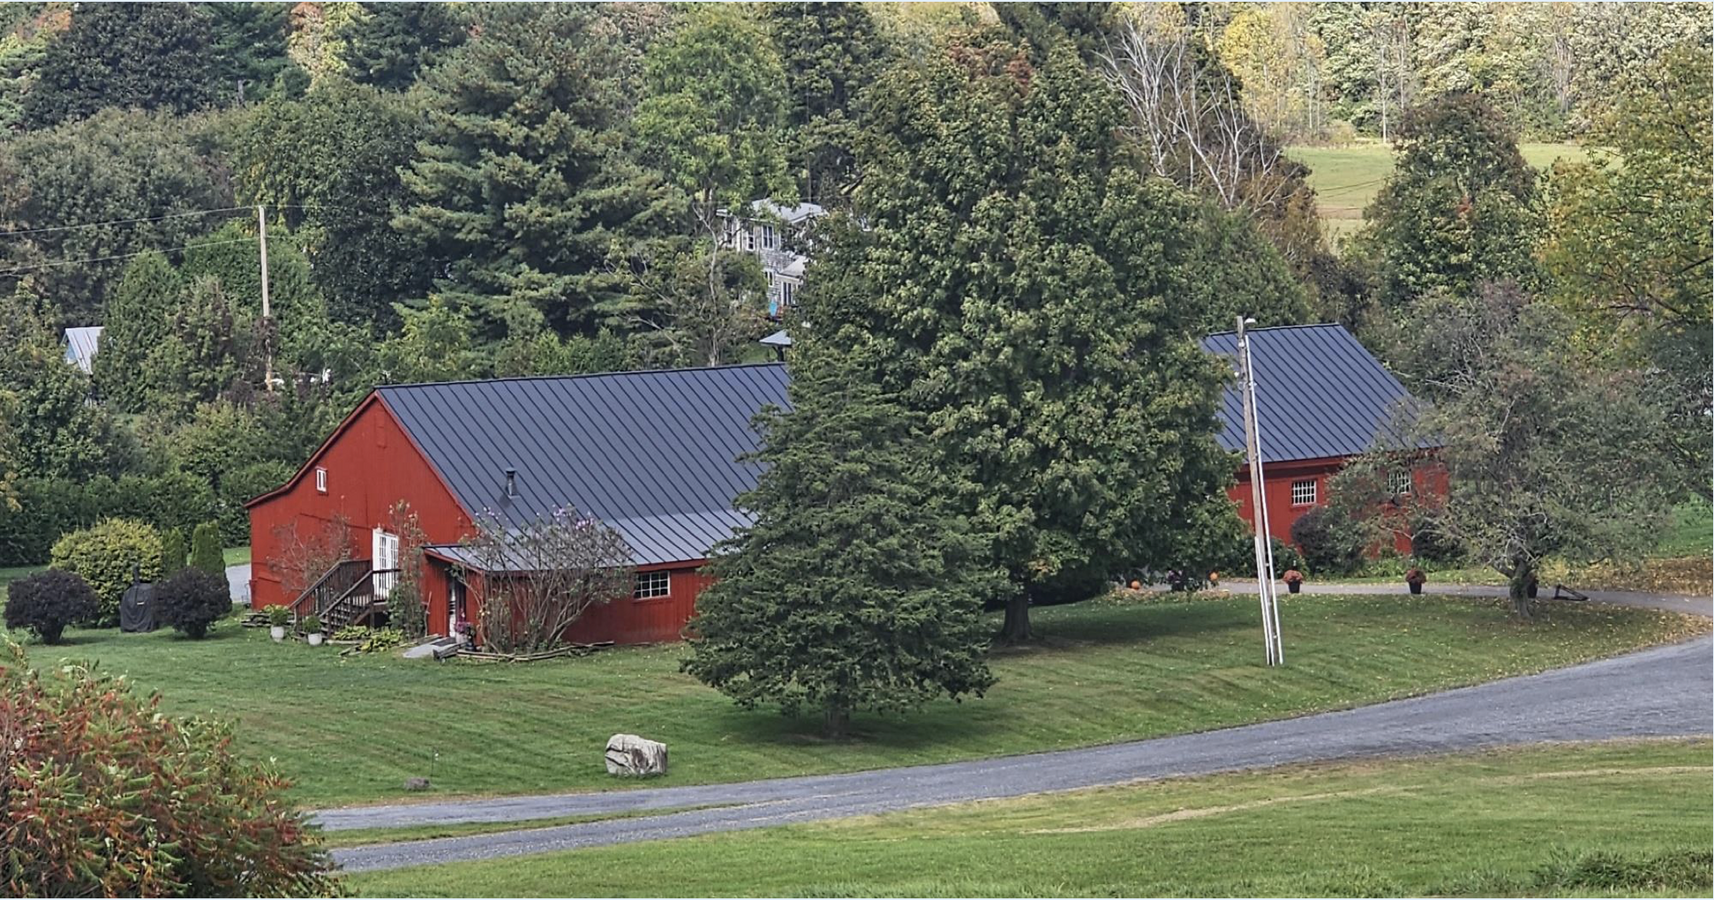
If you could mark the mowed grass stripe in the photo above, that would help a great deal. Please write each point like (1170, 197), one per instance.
(352, 730)
(1626, 818)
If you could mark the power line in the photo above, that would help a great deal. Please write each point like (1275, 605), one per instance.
(72, 262)
(182, 215)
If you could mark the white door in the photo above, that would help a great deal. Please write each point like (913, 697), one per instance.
(384, 555)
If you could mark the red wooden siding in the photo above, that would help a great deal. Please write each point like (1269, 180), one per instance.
(370, 467)
(1427, 480)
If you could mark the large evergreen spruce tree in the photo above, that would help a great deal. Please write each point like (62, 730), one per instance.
(858, 586)
(525, 181)
(1024, 287)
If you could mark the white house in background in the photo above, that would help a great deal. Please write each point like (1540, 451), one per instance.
(767, 231)
(80, 346)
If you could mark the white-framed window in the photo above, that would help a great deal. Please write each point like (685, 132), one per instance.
(749, 239)
(788, 292)
(1303, 492)
(320, 480)
(770, 240)
(652, 584)
(1398, 481)
(385, 555)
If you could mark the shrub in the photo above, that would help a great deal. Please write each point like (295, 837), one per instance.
(106, 555)
(192, 600)
(1242, 558)
(1430, 541)
(47, 602)
(205, 549)
(278, 616)
(312, 623)
(1328, 542)
(106, 797)
(172, 550)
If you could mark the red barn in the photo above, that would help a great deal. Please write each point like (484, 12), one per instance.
(651, 454)
(1321, 399)
(654, 455)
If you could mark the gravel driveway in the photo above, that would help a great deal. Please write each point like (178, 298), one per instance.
(1661, 692)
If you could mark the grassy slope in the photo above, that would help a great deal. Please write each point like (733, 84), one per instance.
(352, 730)
(1477, 824)
(1346, 178)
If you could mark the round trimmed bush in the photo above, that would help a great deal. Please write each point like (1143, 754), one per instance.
(106, 797)
(105, 555)
(47, 602)
(192, 600)
(1330, 546)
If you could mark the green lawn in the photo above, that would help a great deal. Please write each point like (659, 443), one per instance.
(1346, 178)
(236, 556)
(1617, 819)
(351, 730)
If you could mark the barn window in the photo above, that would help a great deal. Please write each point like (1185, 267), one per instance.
(652, 584)
(1303, 493)
(320, 480)
(1398, 481)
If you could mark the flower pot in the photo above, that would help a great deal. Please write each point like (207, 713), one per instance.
(277, 632)
(315, 639)
(1415, 586)
(1293, 586)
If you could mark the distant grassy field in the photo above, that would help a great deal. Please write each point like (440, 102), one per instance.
(351, 730)
(1619, 819)
(1347, 178)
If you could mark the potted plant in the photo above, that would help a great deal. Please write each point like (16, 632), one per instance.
(1293, 580)
(278, 618)
(312, 627)
(1415, 578)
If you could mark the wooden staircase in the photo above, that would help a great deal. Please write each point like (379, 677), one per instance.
(346, 595)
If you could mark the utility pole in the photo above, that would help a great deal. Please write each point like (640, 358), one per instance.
(1259, 502)
(267, 324)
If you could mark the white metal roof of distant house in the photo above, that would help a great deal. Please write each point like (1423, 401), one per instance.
(794, 269)
(791, 214)
(81, 344)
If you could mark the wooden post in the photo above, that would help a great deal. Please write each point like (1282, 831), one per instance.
(267, 337)
(1258, 502)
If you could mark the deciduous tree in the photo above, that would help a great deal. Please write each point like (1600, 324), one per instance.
(1460, 208)
(1546, 453)
(539, 577)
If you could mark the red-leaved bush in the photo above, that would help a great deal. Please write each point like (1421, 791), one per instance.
(101, 795)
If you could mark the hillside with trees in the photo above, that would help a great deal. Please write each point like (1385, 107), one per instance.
(455, 191)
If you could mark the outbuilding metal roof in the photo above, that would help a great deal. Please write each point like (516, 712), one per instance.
(81, 344)
(652, 454)
(1319, 394)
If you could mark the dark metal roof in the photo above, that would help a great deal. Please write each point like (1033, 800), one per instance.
(652, 454)
(1319, 394)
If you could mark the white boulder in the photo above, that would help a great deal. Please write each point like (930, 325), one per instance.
(628, 754)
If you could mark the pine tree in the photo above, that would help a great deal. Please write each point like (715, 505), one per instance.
(829, 51)
(1023, 286)
(398, 40)
(524, 181)
(205, 553)
(128, 56)
(856, 587)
